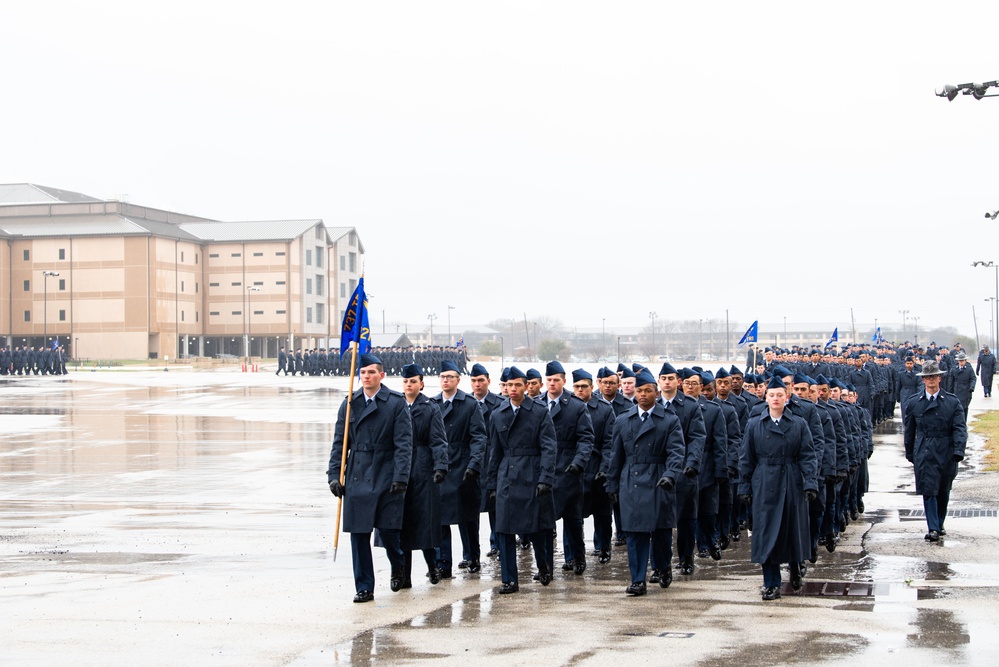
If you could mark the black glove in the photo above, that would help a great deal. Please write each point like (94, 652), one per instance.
(398, 487)
(470, 474)
(870, 454)
(574, 470)
(600, 476)
(492, 494)
(665, 483)
(733, 473)
(810, 495)
(543, 490)
(721, 480)
(745, 499)
(439, 476)
(613, 497)
(689, 472)
(853, 469)
(909, 459)
(337, 488)
(958, 458)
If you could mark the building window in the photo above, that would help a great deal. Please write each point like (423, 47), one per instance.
(195, 312)
(62, 253)
(343, 290)
(258, 282)
(237, 312)
(213, 255)
(353, 262)
(319, 285)
(27, 285)
(308, 258)
(213, 284)
(308, 285)
(279, 253)
(258, 312)
(195, 288)
(282, 312)
(181, 255)
(182, 316)
(27, 255)
(308, 315)
(343, 262)
(181, 285)
(62, 284)
(279, 282)
(237, 283)
(353, 238)
(319, 313)
(27, 316)
(353, 285)
(62, 315)
(319, 257)
(258, 254)
(213, 313)
(237, 254)
(195, 258)
(319, 232)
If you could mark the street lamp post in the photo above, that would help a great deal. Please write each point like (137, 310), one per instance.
(915, 329)
(45, 305)
(432, 317)
(449, 341)
(903, 313)
(618, 349)
(249, 314)
(652, 315)
(995, 266)
(992, 332)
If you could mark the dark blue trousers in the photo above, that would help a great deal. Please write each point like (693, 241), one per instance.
(643, 545)
(468, 531)
(507, 544)
(602, 532)
(360, 555)
(771, 575)
(573, 544)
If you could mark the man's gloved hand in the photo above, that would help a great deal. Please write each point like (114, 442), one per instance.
(958, 458)
(613, 497)
(870, 454)
(543, 490)
(398, 487)
(732, 473)
(810, 495)
(908, 458)
(600, 476)
(574, 470)
(439, 476)
(745, 499)
(665, 483)
(689, 472)
(470, 474)
(337, 488)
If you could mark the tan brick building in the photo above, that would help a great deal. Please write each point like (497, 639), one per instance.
(113, 280)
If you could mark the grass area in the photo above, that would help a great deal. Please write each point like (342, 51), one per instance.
(987, 425)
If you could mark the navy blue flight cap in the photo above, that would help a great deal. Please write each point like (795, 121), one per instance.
(516, 374)
(533, 374)
(448, 365)
(800, 378)
(776, 383)
(644, 377)
(707, 377)
(605, 373)
(821, 379)
(505, 374)
(638, 367)
(553, 368)
(735, 371)
(580, 374)
(367, 359)
(687, 373)
(627, 373)
(621, 367)
(722, 373)
(477, 370)
(412, 371)
(667, 369)
(780, 371)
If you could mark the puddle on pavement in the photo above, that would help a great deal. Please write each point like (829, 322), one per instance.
(938, 628)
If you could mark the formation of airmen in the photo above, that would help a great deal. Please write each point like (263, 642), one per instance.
(29, 360)
(681, 463)
(323, 362)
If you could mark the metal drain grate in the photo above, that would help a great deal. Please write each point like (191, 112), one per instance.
(951, 514)
(832, 589)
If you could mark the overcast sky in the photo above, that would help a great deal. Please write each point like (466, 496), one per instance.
(585, 161)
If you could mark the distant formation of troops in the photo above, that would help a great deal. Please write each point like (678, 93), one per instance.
(323, 362)
(29, 360)
(681, 462)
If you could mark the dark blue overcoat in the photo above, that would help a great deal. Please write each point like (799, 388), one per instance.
(934, 434)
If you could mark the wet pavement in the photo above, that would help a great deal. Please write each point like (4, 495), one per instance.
(184, 518)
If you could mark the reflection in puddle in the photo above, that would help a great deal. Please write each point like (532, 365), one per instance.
(938, 628)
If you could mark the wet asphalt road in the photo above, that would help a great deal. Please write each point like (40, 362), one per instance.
(184, 518)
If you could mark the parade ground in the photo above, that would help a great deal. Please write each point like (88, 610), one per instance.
(182, 517)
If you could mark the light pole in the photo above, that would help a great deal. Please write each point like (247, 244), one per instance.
(976, 90)
(249, 314)
(903, 313)
(618, 349)
(992, 332)
(995, 266)
(652, 315)
(432, 317)
(45, 305)
(449, 341)
(915, 329)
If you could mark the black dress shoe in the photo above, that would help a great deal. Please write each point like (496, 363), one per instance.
(509, 587)
(407, 583)
(933, 536)
(445, 572)
(463, 565)
(686, 567)
(435, 576)
(637, 588)
(620, 542)
(702, 553)
(567, 566)
(942, 531)
(795, 578)
(667, 578)
(474, 566)
(656, 576)
(772, 593)
(364, 596)
(605, 556)
(723, 541)
(492, 553)
(579, 565)
(814, 555)
(545, 577)
(830, 543)
(853, 515)
(715, 552)
(860, 507)
(395, 583)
